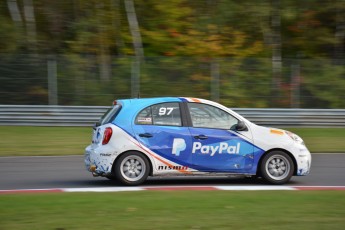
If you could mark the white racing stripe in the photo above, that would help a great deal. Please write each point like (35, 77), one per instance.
(101, 189)
(253, 188)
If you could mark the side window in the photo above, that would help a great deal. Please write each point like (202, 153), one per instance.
(166, 114)
(207, 116)
(144, 117)
(160, 114)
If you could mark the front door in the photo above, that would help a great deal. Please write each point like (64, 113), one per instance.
(215, 148)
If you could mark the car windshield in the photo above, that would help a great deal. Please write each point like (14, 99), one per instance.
(109, 115)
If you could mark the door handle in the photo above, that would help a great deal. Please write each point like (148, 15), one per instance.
(147, 135)
(201, 137)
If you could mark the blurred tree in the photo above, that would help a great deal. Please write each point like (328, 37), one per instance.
(252, 50)
(11, 36)
(339, 47)
(323, 83)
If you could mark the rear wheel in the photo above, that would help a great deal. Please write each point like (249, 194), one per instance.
(132, 168)
(277, 167)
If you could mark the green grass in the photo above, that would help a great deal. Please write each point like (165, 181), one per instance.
(175, 210)
(47, 141)
(43, 141)
(322, 139)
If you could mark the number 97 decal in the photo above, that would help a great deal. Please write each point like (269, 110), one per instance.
(165, 111)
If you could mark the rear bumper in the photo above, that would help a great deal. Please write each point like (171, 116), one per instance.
(87, 160)
(98, 162)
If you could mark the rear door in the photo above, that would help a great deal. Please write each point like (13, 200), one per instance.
(160, 128)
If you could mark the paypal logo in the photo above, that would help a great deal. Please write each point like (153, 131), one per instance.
(179, 145)
(223, 147)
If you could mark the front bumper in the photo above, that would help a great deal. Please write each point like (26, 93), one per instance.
(303, 160)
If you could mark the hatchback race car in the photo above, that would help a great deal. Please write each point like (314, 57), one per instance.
(171, 136)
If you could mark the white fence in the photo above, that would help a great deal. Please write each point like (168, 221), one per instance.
(28, 115)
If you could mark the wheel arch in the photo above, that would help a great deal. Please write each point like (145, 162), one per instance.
(118, 157)
(258, 172)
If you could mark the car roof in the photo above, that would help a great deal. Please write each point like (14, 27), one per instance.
(150, 100)
(154, 100)
(130, 107)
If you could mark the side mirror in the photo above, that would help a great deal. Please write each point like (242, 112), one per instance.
(241, 126)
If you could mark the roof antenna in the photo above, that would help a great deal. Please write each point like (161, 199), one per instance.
(138, 94)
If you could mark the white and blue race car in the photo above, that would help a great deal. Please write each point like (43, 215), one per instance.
(137, 138)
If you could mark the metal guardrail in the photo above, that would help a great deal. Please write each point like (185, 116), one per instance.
(45, 115)
(29, 115)
(295, 117)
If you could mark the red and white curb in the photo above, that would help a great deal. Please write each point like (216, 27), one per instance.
(174, 188)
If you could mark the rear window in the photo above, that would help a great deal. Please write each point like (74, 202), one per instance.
(109, 116)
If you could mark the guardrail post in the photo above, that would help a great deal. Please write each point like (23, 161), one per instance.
(215, 80)
(52, 80)
(135, 77)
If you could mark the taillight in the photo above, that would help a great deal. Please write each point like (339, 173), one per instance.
(107, 135)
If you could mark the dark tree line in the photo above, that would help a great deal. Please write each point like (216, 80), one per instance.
(278, 53)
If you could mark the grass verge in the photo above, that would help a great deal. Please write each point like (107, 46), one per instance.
(47, 141)
(324, 140)
(43, 141)
(175, 210)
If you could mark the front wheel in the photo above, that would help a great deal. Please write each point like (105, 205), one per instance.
(132, 168)
(277, 167)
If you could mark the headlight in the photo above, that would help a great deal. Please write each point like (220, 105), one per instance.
(295, 137)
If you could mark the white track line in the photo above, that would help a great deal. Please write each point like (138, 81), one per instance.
(107, 189)
(173, 188)
(254, 188)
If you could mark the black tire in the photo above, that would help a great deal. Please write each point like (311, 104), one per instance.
(132, 168)
(277, 167)
(111, 177)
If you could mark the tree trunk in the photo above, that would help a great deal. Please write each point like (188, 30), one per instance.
(339, 47)
(30, 25)
(14, 11)
(276, 53)
(138, 46)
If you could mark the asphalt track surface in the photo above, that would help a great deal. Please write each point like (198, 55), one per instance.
(69, 172)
